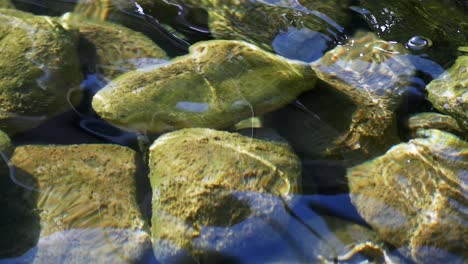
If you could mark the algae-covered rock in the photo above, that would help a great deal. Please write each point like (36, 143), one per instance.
(449, 93)
(261, 22)
(441, 23)
(218, 84)
(213, 189)
(117, 49)
(415, 196)
(423, 121)
(6, 147)
(38, 67)
(85, 196)
(6, 4)
(367, 78)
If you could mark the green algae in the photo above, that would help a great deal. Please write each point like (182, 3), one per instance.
(218, 84)
(39, 68)
(6, 4)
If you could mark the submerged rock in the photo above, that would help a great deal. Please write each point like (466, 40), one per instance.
(39, 67)
(218, 84)
(367, 79)
(449, 93)
(415, 196)
(101, 9)
(429, 120)
(212, 190)
(116, 48)
(436, 27)
(262, 22)
(85, 196)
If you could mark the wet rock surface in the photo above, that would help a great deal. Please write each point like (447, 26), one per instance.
(449, 93)
(218, 84)
(261, 22)
(116, 48)
(85, 198)
(414, 196)
(213, 189)
(39, 68)
(367, 79)
(431, 120)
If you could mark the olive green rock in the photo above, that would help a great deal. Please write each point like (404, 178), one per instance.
(260, 22)
(213, 189)
(39, 67)
(218, 84)
(443, 23)
(117, 49)
(449, 93)
(433, 121)
(6, 146)
(367, 79)
(6, 4)
(415, 197)
(85, 196)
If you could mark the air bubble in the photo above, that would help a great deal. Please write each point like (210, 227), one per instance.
(418, 43)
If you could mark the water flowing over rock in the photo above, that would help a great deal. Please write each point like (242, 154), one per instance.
(39, 69)
(218, 84)
(431, 120)
(213, 189)
(449, 93)
(85, 196)
(415, 196)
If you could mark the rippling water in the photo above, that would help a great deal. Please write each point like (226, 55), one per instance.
(330, 130)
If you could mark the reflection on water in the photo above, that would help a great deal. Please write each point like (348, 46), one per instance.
(351, 118)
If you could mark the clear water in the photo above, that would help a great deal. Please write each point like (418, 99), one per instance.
(323, 224)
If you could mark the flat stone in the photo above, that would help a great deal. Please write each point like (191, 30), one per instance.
(85, 198)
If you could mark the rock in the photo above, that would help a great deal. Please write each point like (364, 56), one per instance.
(6, 147)
(6, 4)
(117, 49)
(212, 190)
(424, 121)
(367, 78)
(440, 24)
(85, 196)
(449, 93)
(265, 22)
(39, 68)
(217, 85)
(415, 197)
(101, 9)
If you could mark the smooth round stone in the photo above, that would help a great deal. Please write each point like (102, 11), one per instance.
(84, 198)
(415, 197)
(116, 48)
(39, 69)
(216, 191)
(215, 86)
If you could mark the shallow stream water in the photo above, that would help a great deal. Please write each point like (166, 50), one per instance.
(323, 225)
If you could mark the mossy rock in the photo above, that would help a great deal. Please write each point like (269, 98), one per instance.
(449, 93)
(39, 67)
(367, 79)
(217, 85)
(260, 22)
(415, 196)
(101, 9)
(116, 48)
(213, 189)
(85, 197)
